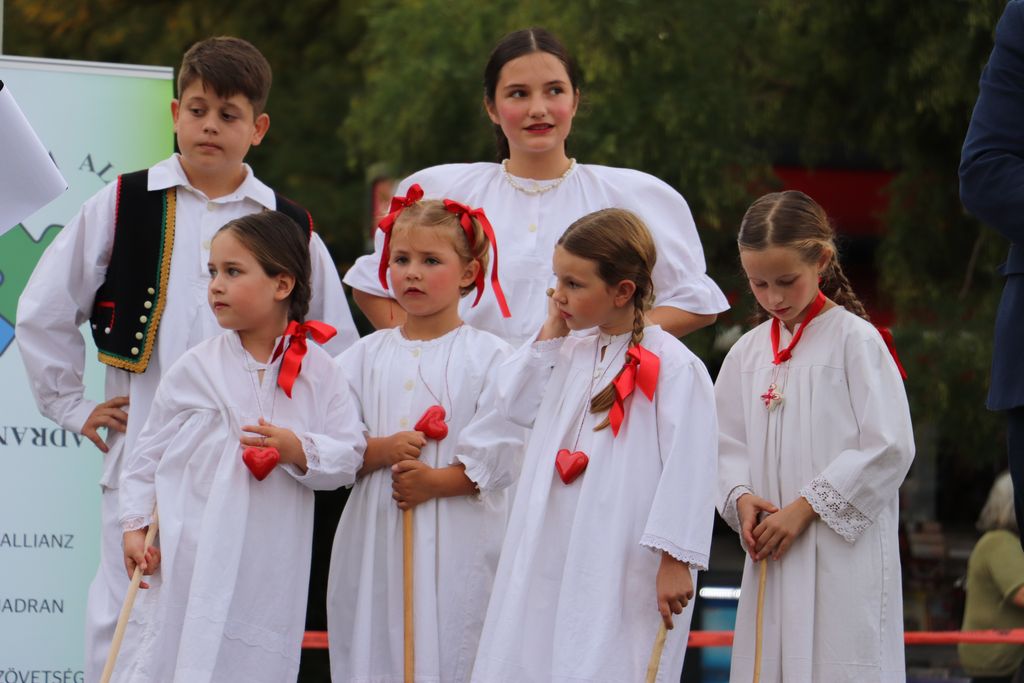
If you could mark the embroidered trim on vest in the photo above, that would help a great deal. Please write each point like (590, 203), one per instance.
(134, 354)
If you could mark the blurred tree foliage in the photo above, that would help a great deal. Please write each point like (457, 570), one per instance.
(702, 94)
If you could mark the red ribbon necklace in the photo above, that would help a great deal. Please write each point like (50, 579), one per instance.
(772, 398)
(291, 364)
(640, 370)
(787, 353)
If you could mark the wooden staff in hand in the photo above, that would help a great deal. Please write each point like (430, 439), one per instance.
(129, 602)
(410, 652)
(674, 585)
(759, 627)
(659, 647)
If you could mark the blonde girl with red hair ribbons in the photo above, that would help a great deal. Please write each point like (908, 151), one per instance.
(815, 440)
(425, 394)
(614, 508)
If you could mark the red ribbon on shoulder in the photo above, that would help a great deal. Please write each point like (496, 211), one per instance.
(641, 370)
(890, 343)
(291, 364)
(398, 204)
(466, 215)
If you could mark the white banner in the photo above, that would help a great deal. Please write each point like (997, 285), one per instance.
(98, 120)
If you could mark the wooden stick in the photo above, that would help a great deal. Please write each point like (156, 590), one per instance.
(759, 632)
(659, 646)
(410, 656)
(126, 607)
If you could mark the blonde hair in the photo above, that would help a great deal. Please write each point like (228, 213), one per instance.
(793, 220)
(623, 249)
(431, 214)
(998, 512)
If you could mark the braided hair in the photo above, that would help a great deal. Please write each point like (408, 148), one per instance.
(622, 248)
(792, 219)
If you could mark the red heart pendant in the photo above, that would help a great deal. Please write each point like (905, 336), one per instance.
(570, 465)
(432, 423)
(260, 461)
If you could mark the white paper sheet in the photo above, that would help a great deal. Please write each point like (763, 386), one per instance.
(29, 180)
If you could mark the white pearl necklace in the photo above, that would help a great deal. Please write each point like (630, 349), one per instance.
(536, 189)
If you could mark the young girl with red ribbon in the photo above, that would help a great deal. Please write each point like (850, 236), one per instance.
(425, 393)
(815, 441)
(613, 511)
(243, 428)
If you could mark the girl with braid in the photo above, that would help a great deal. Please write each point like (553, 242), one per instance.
(815, 440)
(614, 507)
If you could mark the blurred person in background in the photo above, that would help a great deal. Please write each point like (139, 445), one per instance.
(995, 590)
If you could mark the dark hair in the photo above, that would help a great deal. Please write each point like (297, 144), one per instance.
(280, 245)
(792, 219)
(229, 66)
(514, 45)
(431, 214)
(623, 249)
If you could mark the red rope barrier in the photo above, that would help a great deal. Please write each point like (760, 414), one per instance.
(317, 640)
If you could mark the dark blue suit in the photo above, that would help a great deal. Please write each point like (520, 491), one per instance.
(992, 188)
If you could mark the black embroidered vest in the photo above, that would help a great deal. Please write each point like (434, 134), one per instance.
(128, 306)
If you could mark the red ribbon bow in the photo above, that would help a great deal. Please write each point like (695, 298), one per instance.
(466, 216)
(291, 364)
(398, 204)
(641, 370)
(890, 343)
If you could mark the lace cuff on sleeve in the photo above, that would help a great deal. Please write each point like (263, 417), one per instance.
(134, 523)
(547, 349)
(841, 516)
(311, 451)
(729, 512)
(698, 561)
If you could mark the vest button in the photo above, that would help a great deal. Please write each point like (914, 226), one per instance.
(106, 330)
(148, 304)
(143, 319)
(138, 335)
(135, 350)
(151, 290)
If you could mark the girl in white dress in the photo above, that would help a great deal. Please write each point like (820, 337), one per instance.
(425, 394)
(242, 428)
(815, 441)
(614, 509)
(531, 95)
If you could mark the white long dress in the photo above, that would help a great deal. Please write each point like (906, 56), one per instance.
(527, 227)
(575, 599)
(842, 439)
(229, 602)
(456, 540)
